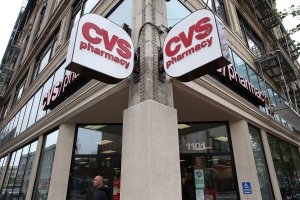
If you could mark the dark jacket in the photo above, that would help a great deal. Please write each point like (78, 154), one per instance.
(100, 194)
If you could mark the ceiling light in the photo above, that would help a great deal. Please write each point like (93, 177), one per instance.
(213, 159)
(221, 138)
(103, 142)
(183, 126)
(94, 127)
(108, 151)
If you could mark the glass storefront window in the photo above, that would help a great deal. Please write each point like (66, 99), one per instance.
(97, 152)
(286, 163)
(206, 162)
(203, 138)
(45, 167)
(261, 165)
(18, 173)
(99, 139)
(2, 165)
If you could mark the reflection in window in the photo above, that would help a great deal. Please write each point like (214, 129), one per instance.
(2, 165)
(45, 167)
(253, 42)
(286, 163)
(203, 138)
(89, 5)
(99, 139)
(261, 165)
(176, 11)
(44, 57)
(75, 15)
(20, 89)
(240, 65)
(86, 168)
(97, 151)
(124, 10)
(18, 173)
(218, 7)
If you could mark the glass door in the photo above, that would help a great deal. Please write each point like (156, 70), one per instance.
(207, 177)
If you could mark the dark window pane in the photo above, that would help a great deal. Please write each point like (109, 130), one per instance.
(261, 165)
(20, 173)
(286, 167)
(212, 174)
(2, 165)
(84, 171)
(28, 167)
(10, 170)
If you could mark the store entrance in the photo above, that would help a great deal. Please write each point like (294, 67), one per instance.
(207, 177)
(206, 161)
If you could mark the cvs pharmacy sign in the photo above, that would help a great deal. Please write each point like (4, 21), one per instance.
(195, 46)
(100, 49)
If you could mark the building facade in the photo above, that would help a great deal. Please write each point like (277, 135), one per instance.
(230, 134)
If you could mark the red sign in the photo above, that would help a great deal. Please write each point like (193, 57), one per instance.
(230, 73)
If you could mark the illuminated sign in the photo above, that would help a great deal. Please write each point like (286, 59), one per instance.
(230, 73)
(100, 49)
(195, 46)
(62, 89)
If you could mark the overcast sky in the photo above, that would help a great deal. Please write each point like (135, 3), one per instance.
(9, 11)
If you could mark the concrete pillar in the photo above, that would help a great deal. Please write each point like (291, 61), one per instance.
(271, 168)
(62, 161)
(34, 168)
(244, 159)
(150, 153)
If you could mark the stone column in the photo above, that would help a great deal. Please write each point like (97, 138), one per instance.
(244, 159)
(62, 161)
(150, 152)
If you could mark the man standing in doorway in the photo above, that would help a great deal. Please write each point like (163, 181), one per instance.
(101, 192)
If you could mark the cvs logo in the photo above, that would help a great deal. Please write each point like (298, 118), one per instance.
(123, 47)
(202, 29)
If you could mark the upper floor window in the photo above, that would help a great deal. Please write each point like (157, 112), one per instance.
(176, 11)
(218, 7)
(4, 110)
(19, 89)
(123, 9)
(75, 15)
(253, 41)
(44, 57)
(40, 20)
